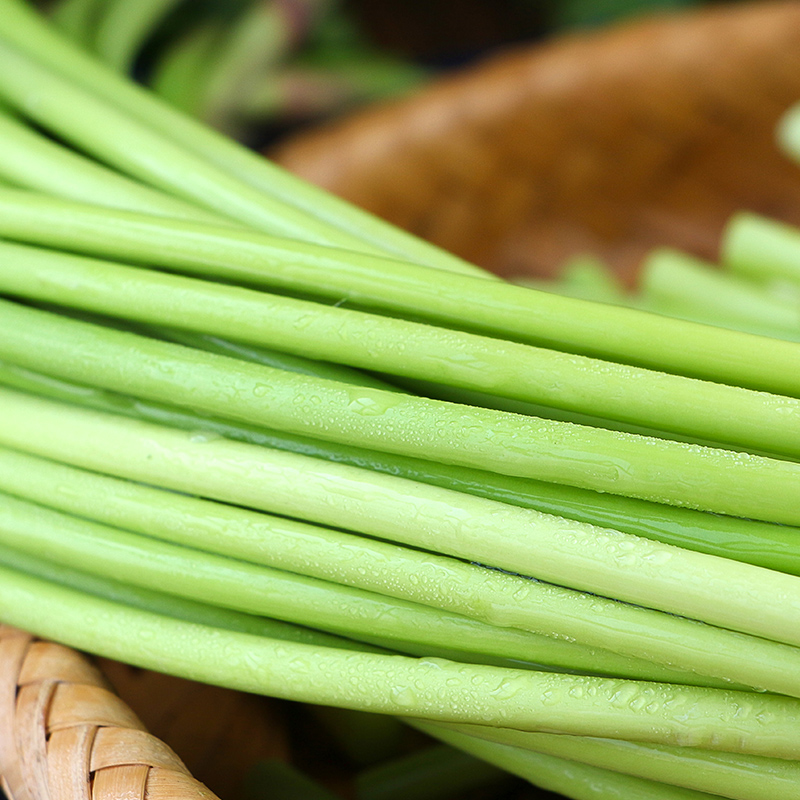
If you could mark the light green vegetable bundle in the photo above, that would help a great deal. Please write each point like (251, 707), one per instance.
(253, 436)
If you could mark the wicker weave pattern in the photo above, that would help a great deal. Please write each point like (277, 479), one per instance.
(64, 735)
(611, 142)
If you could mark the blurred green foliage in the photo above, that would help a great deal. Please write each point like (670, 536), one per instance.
(258, 69)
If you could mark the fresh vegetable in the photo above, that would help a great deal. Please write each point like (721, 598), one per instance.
(240, 66)
(252, 436)
(428, 688)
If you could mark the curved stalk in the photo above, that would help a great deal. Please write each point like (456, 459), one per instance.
(606, 562)
(264, 193)
(709, 411)
(432, 689)
(752, 542)
(650, 469)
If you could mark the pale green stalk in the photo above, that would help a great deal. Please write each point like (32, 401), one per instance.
(270, 358)
(215, 616)
(77, 18)
(602, 561)
(470, 397)
(251, 46)
(307, 87)
(419, 577)
(436, 772)
(735, 776)
(789, 132)
(156, 602)
(254, 589)
(260, 355)
(591, 278)
(763, 544)
(676, 283)
(27, 31)
(35, 162)
(737, 484)
(136, 150)
(179, 75)
(432, 689)
(570, 778)
(762, 249)
(707, 410)
(124, 27)
(500, 310)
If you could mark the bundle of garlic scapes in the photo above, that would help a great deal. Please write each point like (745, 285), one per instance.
(252, 436)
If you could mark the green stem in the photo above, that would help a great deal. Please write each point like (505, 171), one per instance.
(762, 544)
(124, 28)
(168, 605)
(296, 207)
(706, 410)
(138, 151)
(722, 592)
(277, 780)
(471, 397)
(259, 355)
(180, 73)
(77, 18)
(303, 90)
(789, 132)
(594, 278)
(271, 358)
(737, 484)
(291, 95)
(762, 249)
(409, 575)
(570, 778)
(251, 47)
(197, 576)
(679, 284)
(31, 160)
(362, 738)
(499, 309)
(255, 589)
(431, 689)
(735, 776)
(218, 617)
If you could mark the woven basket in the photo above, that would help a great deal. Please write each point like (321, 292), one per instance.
(611, 142)
(65, 735)
(648, 134)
